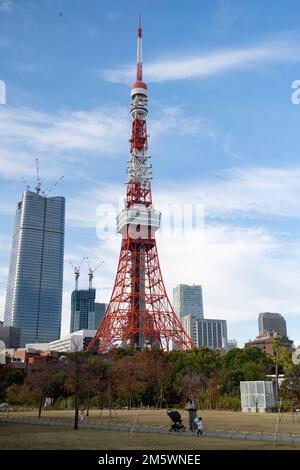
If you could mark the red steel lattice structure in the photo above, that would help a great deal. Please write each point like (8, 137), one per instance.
(139, 313)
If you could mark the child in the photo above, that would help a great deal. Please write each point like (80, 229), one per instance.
(199, 423)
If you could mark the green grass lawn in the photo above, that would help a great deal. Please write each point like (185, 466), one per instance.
(220, 420)
(18, 436)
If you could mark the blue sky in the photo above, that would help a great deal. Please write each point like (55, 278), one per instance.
(224, 134)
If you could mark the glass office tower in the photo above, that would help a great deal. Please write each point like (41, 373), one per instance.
(35, 281)
(187, 300)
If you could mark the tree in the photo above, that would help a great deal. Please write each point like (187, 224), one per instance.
(95, 372)
(212, 391)
(9, 376)
(72, 367)
(13, 394)
(189, 384)
(291, 385)
(154, 366)
(129, 379)
(44, 381)
(242, 364)
(206, 361)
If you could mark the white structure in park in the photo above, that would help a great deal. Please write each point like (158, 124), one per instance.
(258, 396)
(77, 341)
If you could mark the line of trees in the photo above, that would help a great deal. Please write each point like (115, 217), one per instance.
(126, 378)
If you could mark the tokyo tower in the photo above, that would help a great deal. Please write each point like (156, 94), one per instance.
(139, 314)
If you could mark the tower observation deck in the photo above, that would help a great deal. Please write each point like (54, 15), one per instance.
(139, 314)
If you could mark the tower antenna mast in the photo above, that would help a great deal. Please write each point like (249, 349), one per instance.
(139, 314)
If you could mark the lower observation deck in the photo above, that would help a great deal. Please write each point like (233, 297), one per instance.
(138, 217)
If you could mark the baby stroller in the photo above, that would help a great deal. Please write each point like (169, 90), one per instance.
(177, 425)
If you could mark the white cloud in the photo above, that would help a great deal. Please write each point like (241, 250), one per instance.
(7, 6)
(242, 270)
(68, 136)
(60, 139)
(248, 193)
(113, 16)
(173, 120)
(96, 130)
(202, 65)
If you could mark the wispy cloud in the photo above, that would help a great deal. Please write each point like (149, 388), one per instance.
(61, 139)
(7, 6)
(252, 258)
(252, 193)
(174, 120)
(247, 192)
(70, 135)
(112, 16)
(68, 130)
(202, 65)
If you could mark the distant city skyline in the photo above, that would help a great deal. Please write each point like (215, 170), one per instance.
(223, 133)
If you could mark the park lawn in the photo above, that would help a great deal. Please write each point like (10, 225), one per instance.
(33, 437)
(212, 420)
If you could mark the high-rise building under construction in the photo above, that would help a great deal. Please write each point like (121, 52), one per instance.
(86, 313)
(35, 281)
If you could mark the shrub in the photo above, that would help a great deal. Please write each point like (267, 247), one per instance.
(226, 402)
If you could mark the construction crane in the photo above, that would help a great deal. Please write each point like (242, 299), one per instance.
(27, 186)
(53, 186)
(92, 271)
(38, 187)
(77, 271)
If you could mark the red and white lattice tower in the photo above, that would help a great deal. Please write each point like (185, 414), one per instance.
(139, 314)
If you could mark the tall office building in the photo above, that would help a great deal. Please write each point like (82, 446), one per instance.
(35, 280)
(100, 309)
(212, 333)
(10, 335)
(206, 332)
(187, 300)
(86, 314)
(268, 322)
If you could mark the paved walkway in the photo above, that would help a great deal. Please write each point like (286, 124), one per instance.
(246, 436)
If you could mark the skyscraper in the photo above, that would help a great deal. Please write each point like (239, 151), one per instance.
(212, 333)
(86, 314)
(35, 280)
(206, 332)
(100, 309)
(187, 300)
(268, 322)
